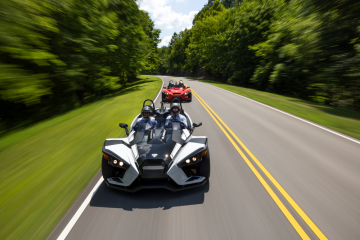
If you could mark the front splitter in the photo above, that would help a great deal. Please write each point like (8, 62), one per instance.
(153, 184)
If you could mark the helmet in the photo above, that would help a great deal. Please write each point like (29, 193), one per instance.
(175, 109)
(146, 112)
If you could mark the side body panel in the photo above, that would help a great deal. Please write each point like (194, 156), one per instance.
(190, 121)
(126, 153)
(193, 146)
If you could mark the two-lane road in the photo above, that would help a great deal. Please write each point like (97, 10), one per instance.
(272, 177)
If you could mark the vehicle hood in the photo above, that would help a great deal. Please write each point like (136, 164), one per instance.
(159, 147)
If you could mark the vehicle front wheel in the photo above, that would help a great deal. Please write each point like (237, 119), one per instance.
(106, 169)
(205, 165)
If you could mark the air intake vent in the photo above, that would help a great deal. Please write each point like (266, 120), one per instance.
(116, 179)
(153, 162)
(192, 179)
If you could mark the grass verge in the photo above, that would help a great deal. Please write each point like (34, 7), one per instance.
(341, 120)
(44, 168)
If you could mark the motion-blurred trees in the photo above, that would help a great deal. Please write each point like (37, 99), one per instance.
(56, 55)
(311, 51)
(305, 48)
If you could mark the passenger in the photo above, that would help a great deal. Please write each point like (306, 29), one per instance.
(175, 115)
(145, 113)
(171, 84)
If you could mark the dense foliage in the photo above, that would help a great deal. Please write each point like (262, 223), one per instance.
(56, 55)
(304, 48)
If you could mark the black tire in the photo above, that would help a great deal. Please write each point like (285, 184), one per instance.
(190, 97)
(106, 169)
(205, 165)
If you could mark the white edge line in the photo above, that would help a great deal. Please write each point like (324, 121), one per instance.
(78, 213)
(160, 89)
(81, 209)
(301, 119)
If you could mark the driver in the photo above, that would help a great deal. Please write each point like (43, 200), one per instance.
(175, 115)
(181, 84)
(145, 113)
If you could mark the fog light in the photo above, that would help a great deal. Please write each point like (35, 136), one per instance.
(194, 159)
(121, 164)
(115, 162)
(187, 161)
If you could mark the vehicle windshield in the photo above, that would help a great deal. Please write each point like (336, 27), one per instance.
(176, 85)
(142, 127)
(158, 135)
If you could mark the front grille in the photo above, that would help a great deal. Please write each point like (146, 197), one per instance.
(153, 162)
(153, 169)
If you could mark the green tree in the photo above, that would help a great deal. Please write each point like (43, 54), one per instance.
(56, 55)
(304, 48)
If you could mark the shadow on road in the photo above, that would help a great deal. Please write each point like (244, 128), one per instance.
(156, 198)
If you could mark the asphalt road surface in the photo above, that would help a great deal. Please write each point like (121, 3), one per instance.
(289, 180)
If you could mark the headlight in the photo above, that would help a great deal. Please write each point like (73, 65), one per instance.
(115, 162)
(192, 160)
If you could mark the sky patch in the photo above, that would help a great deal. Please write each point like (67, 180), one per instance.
(172, 15)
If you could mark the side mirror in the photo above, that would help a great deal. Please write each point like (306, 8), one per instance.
(188, 86)
(164, 87)
(197, 124)
(124, 125)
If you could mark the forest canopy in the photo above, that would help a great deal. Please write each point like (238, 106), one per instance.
(57, 55)
(303, 48)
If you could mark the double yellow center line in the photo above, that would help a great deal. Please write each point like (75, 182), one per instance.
(276, 199)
